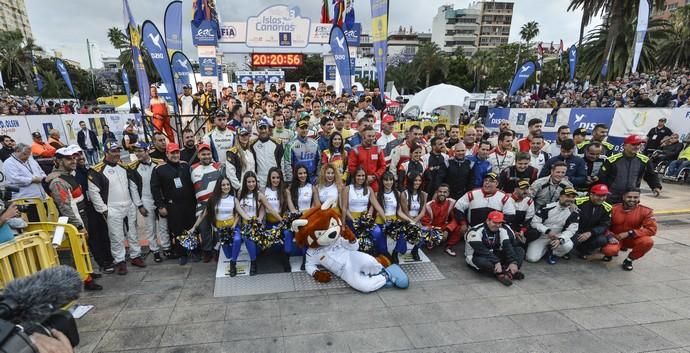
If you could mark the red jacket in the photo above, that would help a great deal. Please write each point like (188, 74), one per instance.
(639, 219)
(524, 144)
(440, 215)
(371, 159)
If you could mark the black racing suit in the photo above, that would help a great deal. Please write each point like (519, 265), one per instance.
(595, 219)
(176, 196)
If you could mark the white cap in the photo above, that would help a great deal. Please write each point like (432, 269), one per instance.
(68, 150)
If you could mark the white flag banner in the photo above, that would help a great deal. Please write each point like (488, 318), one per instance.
(641, 32)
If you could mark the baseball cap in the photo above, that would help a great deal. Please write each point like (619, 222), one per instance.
(220, 113)
(580, 131)
(141, 145)
(111, 146)
(634, 140)
(203, 146)
(303, 122)
(187, 86)
(242, 131)
(662, 119)
(387, 118)
(523, 184)
(325, 120)
(569, 191)
(600, 189)
(36, 134)
(491, 175)
(264, 122)
(172, 147)
(67, 151)
(496, 217)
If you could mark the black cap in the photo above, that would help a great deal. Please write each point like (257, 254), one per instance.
(580, 131)
(36, 134)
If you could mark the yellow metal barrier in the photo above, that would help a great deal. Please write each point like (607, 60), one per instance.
(47, 211)
(74, 241)
(28, 253)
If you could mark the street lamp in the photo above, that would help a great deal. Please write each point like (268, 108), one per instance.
(93, 78)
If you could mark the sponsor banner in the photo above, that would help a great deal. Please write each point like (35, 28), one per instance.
(208, 67)
(278, 26)
(494, 117)
(640, 32)
(65, 75)
(636, 121)
(206, 52)
(182, 70)
(523, 73)
(352, 35)
(155, 44)
(44, 123)
(341, 54)
(138, 62)
(330, 73)
(17, 127)
(95, 122)
(233, 32)
(588, 117)
(319, 33)
(379, 38)
(270, 77)
(572, 60)
(125, 82)
(680, 122)
(172, 26)
(205, 33)
(520, 117)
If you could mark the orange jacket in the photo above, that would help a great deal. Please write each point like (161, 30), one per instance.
(42, 150)
(639, 219)
(371, 159)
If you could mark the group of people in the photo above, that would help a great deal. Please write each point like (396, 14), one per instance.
(269, 157)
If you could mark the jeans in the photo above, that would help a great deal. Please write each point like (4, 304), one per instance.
(675, 167)
(91, 156)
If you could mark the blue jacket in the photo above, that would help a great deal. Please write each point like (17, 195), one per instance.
(353, 141)
(576, 173)
(304, 152)
(480, 168)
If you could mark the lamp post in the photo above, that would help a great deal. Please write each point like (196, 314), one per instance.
(93, 79)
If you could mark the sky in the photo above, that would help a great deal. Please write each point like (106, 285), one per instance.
(64, 26)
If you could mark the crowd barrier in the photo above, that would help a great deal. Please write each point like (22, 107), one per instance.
(28, 253)
(622, 122)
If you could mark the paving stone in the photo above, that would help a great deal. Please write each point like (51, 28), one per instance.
(133, 338)
(142, 318)
(633, 338)
(260, 345)
(674, 331)
(485, 329)
(151, 301)
(179, 273)
(203, 348)
(435, 334)
(513, 345)
(307, 323)
(597, 317)
(198, 313)
(549, 322)
(190, 334)
(644, 313)
(96, 320)
(680, 306)
(332, 342)
(236, 330)
(88, 340)
(575, 342)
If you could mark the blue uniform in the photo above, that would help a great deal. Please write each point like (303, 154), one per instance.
(480, 168)
(301, 151)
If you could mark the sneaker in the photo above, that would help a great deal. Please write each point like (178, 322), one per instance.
(183, 260)
(109, 269)
(627, 265)
(451, 252)
(157, 257)
(518, 276)
(207, 257)
(551, 259)
(92, 286)
(505, 280)
(138, 262)
(96, 274)
(566, 257)
(607, 258)
(233, 269)
(122, 268)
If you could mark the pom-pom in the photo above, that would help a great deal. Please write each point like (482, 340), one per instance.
(432, 236)
(413, 233)
(395, 229)
(363, 227)
(225, 235)
(254, 231)
(189, 241)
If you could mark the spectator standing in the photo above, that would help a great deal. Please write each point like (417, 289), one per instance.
(107, 135)
(436, 166)
(460, 170)
(88, 142)
(656, 135)
(23, 172)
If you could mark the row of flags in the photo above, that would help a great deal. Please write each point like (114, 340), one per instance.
(343, 13)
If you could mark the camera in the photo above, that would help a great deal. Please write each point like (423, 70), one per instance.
(6, 193)
(14, 338)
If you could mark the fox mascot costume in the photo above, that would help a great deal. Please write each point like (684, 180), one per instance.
(332, 245)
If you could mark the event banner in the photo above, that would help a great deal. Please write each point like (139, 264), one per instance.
(172, 26)
(128, 90)
(523, 73)
(379, 37)
(641, 32)
(572, 60)
(341, 54)
(278, 26)
(208, 67)
(154, 43)
(182, 70)
(139, 70)
(65, 75)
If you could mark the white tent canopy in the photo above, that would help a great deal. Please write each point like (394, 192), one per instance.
(125, 107)
(435, 97)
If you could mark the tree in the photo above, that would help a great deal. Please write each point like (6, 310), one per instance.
(459, 71)
(529, 31)
(120, 41)
(430, 60)
(404, 76)
(481, 64)
(311, 70)
(674, 52)
(15, 60)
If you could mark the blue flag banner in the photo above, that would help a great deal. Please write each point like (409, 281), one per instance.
(379, 37)
(349, 21)
(139, 70)
(154, 43)
(605, 66)
(182, 70)
(524, 72)
(572, 60)
(34, 69)
(62, 69)
(641, 32)
(172, 26)
(341, 53)
(125, 82)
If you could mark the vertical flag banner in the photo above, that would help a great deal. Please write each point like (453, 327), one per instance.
(341, 53)
(572, 60)
(325, 12)
(128, 90)
(349, 20)
(154, 43)
(135, 43)
(524, 72)
(39, 80)
(540, 63)
(641, 32)
(182, 70)
(379, 35)
(172, 26)
(605, 66)
(560, 53)
(338, 12)
(65, 75)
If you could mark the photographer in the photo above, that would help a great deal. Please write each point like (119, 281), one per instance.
(56, 344)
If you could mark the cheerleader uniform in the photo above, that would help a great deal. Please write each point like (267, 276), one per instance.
(272, 222)
(329, 193)
(225, 222)
(250, 207)
(390, 214)
(415, 209)
(358, 204)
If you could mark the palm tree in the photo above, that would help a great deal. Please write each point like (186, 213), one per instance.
(675, 51)
(404, 77)
(481, 64)
(118, 39)
(529, 31)
(15, 57)
(430, 60)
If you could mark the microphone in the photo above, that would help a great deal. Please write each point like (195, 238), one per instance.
(35, 297)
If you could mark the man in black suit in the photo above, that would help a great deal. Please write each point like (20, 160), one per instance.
(88, 141)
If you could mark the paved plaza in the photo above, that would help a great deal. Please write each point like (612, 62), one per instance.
(573, 306)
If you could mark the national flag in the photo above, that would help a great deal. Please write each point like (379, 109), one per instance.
(349, 21)
(325, 12)
(135, 43)
(39, 80)
(338, 12)
(198, 12)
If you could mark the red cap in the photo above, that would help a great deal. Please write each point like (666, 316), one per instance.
(495, 216)
(202, 146)
(172, 147)
(600, 189)
(387, 118)
(634, 140)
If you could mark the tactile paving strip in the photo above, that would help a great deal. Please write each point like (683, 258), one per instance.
(298, 281)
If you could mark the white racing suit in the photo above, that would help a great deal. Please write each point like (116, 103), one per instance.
(553, 218)
(342, 258)
(111, 189)
(220, 141)
(155, 227)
